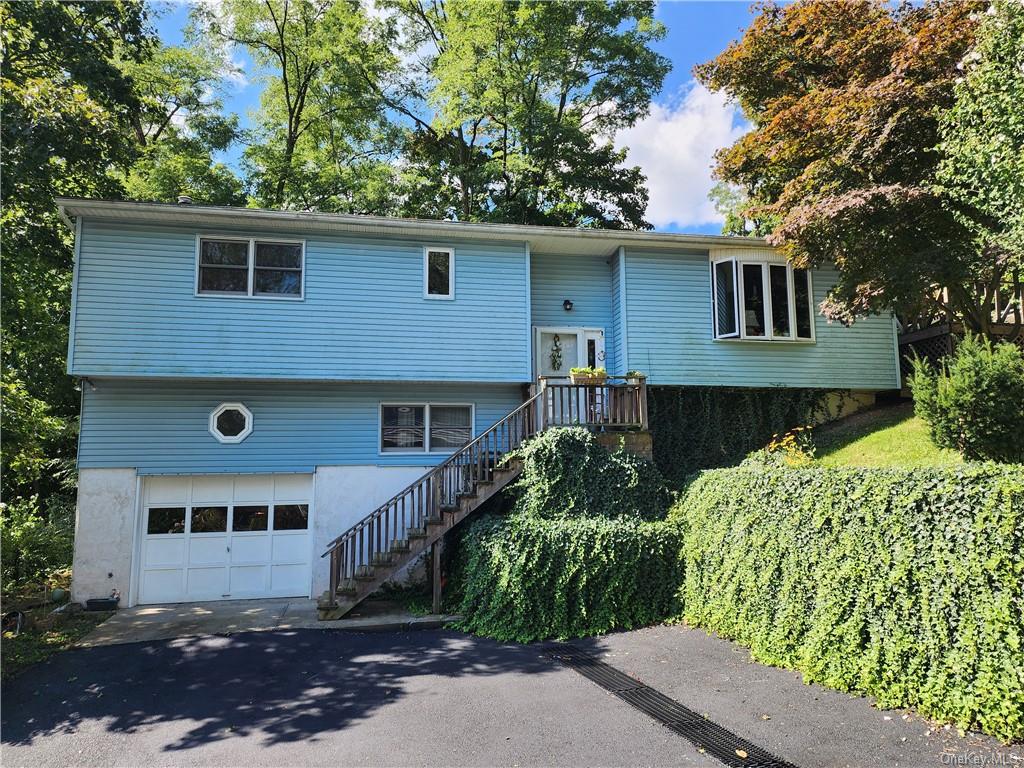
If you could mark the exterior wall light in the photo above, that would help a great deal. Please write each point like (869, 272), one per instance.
(567, 305)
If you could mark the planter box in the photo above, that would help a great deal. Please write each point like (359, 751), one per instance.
(596, 380)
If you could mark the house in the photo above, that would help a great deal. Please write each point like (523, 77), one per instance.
(254, 383)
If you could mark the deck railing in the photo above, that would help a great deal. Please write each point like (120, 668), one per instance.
(605, 405)
(618, 402)
(425, 499)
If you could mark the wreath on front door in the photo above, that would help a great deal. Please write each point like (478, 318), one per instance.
(556, 353)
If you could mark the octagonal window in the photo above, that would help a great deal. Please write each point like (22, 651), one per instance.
(231, 422)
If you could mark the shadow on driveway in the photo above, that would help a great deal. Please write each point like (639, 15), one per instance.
(280, 687)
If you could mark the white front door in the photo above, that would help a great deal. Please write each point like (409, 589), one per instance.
(221, 537)
(559, 349)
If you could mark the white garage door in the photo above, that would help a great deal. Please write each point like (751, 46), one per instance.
(225, 537)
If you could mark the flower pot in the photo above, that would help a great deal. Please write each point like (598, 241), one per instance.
(593, 380)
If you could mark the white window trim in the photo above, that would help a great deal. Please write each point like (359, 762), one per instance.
(427, 250)
(426, 450)
(714, 300)
(251, 259)
(741, 320)
(227, 439)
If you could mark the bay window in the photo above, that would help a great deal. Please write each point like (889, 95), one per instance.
(761, 300)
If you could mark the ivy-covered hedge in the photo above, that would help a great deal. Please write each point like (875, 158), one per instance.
(567, 473)
(526, 578)
(902, 584)
(696, 428)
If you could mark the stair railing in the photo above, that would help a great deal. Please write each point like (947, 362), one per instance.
(424, 501)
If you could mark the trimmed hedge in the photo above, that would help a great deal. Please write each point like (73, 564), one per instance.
(902, 584)
(527, 578)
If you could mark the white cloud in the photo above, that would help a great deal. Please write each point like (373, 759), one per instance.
(675, 146)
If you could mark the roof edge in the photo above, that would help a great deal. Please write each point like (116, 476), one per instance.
(316, 221)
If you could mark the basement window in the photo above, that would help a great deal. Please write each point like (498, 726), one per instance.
(425, 427)
(760, 301)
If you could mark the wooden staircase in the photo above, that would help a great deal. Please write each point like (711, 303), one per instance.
(411, 522)
(408, 524)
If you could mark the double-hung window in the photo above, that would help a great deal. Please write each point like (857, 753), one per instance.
(761, 301)
(424, 427)
(229, 266)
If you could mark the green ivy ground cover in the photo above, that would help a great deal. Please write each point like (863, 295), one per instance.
(905, 584)
(901, 583)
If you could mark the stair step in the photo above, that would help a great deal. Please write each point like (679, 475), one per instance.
(364, 573)
(416, 533)
(381, 558)
(400, 545)
(435, 521)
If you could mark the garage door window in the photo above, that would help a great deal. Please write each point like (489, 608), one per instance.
(291, 517)
(250, 518)
(209, 519)
(163, 520)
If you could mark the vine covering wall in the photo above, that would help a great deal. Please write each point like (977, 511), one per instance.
(696, 428)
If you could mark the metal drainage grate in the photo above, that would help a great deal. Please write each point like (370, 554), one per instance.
(716, 741)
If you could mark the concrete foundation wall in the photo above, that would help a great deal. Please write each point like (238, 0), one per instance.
(105, 518)
(343, 496)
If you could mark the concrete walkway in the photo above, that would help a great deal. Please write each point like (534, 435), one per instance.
(144, 623)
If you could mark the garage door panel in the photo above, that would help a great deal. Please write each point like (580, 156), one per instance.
(250, 549)
(162, 586)
(254, 489)
(289, 548)
(292, 488)
(164, 552)
(211, 490)
(249, 580)
(208, 551)
(287, 579)
(241, 562)
(208, 583)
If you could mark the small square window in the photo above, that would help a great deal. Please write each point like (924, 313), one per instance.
(403, 428)
(439, 273)
(451, 426)
(291, 517)
(164, 520)
(250, 518)
(209, 519)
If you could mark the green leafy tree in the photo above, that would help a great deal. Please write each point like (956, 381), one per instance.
(844, 101)
(510, 108)
(67, 116)
(981, 174)
(319, 135)
(181, 126)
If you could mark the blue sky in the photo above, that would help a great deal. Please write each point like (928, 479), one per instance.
(673, 145)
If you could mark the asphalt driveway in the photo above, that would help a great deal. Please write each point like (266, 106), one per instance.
(314, 697)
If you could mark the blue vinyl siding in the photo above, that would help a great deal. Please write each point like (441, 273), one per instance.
(670, 337)
(584, 280)
(364, 317)
(616, 334)
(162, 428)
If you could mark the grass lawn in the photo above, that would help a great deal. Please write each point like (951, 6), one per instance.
(882, 437)
(45, 636)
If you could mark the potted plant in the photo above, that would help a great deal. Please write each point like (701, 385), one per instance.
(633, 378)
(588, 375)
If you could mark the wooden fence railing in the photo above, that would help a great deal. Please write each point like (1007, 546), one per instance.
(615, 403)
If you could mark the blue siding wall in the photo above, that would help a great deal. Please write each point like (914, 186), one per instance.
(616, 336)
(670, 336)
(364, 317)
(585, 280)
(163, 427)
